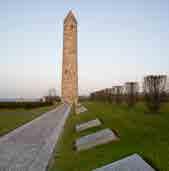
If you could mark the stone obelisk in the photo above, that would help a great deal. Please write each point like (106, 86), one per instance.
(69, 67)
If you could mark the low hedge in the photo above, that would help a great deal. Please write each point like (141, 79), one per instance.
(27, 105)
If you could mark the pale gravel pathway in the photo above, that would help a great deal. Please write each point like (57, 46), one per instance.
(29, 148)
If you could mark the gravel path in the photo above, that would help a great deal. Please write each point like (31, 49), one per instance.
(29, 148)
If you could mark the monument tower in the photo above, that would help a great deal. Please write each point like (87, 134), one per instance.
(69, 67)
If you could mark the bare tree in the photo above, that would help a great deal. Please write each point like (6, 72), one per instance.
(154, 87)
(131, 89)
(52, 92)
(108, 94)
(117, 94)
(52, 96)
(167, 89)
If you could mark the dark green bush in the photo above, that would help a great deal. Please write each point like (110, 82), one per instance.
(27, 105)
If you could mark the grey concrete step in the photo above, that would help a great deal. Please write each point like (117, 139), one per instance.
(87, 125)
(131, 163)
(101, 137)
(81, 109)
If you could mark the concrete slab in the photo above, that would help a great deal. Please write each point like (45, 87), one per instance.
(101, 137)
(81, 109)
(87, 125)
(131, 163)
(79, 104)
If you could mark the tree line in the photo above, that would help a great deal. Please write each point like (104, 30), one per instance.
(153, 91)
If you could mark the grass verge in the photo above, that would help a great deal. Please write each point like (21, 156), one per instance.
(145, 134)
(13, 118)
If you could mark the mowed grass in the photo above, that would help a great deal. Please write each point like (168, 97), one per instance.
(139, 132)
(13, 118)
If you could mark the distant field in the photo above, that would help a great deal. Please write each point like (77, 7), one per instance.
(13, 118)
(145, 134)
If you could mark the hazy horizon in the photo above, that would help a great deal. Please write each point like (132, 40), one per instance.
(118, 41)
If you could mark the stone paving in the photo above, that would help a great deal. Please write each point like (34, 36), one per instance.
(30, 147)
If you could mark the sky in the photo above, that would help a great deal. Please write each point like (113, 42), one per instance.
(118, 41)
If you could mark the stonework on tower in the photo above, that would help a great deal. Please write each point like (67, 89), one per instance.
(69, 67)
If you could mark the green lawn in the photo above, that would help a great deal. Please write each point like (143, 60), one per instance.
(13, 118)
(142, 133)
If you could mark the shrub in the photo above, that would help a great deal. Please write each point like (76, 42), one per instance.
(27, 105)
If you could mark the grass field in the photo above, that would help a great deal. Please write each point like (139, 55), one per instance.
(140, 132)
(13, 118)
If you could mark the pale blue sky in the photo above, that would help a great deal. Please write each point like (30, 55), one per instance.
(118, 41)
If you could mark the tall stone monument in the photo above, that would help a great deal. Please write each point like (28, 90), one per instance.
(69, 67)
